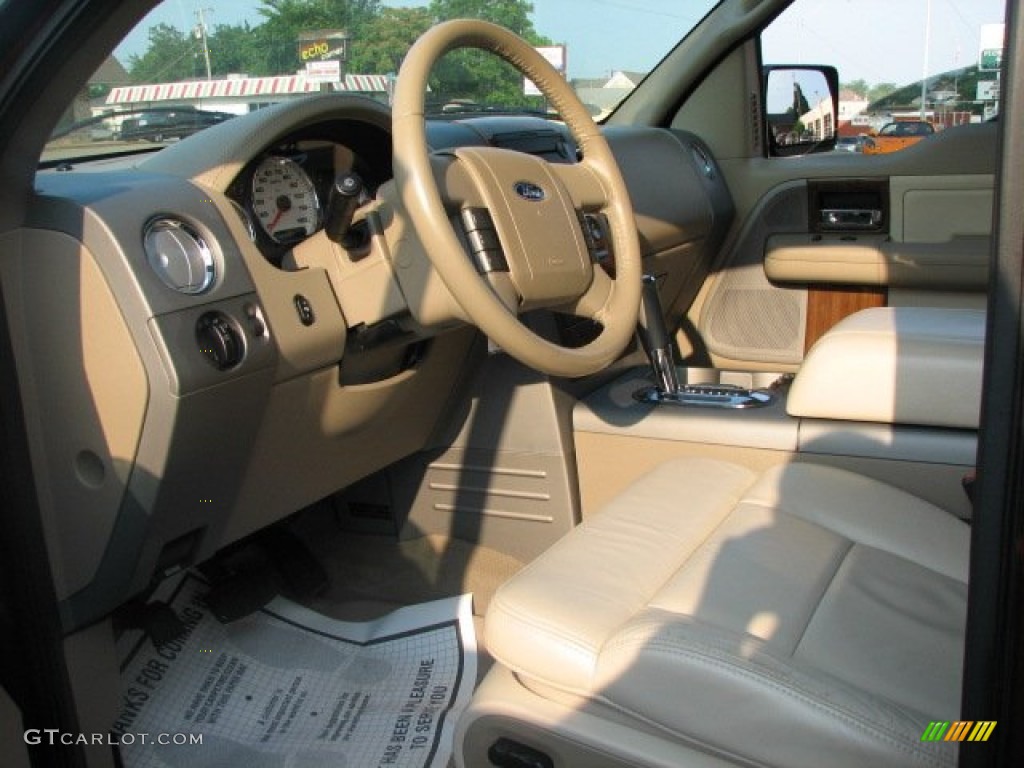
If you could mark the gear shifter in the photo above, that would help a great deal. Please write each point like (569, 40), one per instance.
(657, 344)
(655, 339)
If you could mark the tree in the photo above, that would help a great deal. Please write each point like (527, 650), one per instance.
(800, 105)
(171, 55)
(379, 38)
(859, 86)
(880, 91)
(479, 77)
(384, 40)
(231, 49)
(319, 14)
(513, 14)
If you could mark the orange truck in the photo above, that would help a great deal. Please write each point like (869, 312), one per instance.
(896, 136)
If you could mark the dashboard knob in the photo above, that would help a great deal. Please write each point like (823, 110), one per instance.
(219, 340)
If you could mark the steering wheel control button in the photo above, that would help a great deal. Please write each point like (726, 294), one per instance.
(179, 255)
(595, 232)
(219, 340)
(483, 240)
(305, 310)
(474, 219)
(491, 260)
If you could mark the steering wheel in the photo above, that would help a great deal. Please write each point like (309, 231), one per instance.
(533, 208)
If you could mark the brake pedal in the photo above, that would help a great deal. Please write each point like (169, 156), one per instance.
(300, 571)
(161, 623)
(240, 594)
(157, 620)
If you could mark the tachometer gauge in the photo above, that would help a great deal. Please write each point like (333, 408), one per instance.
(284, 200)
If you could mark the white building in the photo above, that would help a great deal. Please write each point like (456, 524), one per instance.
(238, 94)
(821, 120)
(851, 104)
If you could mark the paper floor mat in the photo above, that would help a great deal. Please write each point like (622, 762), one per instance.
(290, 687)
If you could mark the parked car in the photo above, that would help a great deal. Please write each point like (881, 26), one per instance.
(722, 434)
(849, 144)
(162, 125)
(896, 136)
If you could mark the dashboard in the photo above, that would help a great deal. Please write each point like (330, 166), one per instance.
(283, 194)
(238, 363)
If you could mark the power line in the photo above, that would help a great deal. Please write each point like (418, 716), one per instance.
(967, 25)
(692, 19)
(200, 32)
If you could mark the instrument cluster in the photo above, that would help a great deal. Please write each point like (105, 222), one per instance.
(283, 193)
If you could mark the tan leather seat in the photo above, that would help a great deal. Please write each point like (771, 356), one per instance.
(802, 617)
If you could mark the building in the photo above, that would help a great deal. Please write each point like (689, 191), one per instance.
(109, 75)
(819, 122)
(239, 93)
(601, 95)
(851, 104)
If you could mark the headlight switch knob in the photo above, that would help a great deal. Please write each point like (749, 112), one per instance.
(219, 340)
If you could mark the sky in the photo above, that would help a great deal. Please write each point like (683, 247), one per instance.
(881, 40)
(874, 40)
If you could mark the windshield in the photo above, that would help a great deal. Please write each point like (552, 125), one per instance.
(189, 65)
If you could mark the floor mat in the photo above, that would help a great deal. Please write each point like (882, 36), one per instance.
(289, 687)
(366, 567)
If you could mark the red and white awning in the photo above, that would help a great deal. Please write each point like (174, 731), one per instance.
(366, 83)
(240, 87)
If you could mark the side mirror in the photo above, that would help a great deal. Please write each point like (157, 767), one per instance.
(801, 106)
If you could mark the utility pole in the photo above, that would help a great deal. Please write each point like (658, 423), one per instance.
(200, 33)
(927, 44)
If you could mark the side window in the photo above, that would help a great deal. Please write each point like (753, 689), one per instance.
(907, 69)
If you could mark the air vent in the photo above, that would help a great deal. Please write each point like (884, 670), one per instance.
(548, 144)
(179, 255)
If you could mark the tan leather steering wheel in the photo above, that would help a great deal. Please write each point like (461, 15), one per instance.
(533, 207)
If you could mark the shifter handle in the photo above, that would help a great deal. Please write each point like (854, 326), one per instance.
(655, 334)
(655, 338)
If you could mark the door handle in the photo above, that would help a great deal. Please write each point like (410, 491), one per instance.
(851, 218)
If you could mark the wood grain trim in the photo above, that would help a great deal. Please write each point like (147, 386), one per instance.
(827, 305)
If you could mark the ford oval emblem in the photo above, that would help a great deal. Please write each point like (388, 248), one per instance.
(529, 191)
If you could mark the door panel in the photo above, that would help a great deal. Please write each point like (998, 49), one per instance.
(936, 209)
(786, 280)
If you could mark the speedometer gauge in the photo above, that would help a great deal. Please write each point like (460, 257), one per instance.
(284, 200)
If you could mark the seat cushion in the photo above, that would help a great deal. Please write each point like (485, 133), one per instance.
(777, 618)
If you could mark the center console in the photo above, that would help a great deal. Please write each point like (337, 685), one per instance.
(892, 393)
